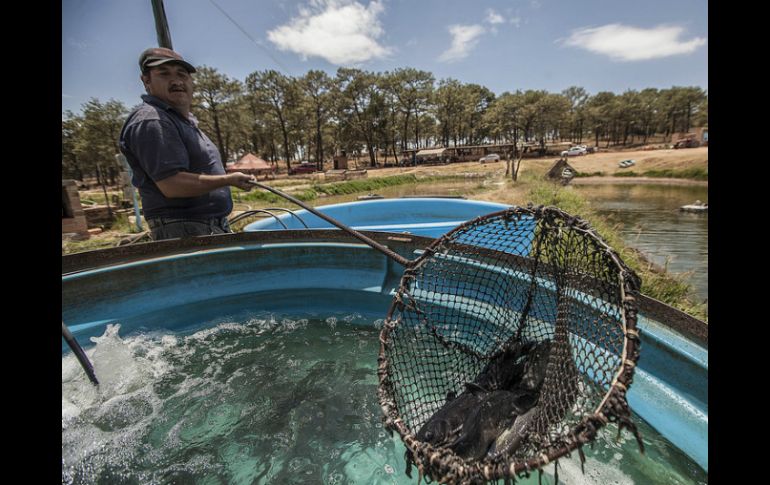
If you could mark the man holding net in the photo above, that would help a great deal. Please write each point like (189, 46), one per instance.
(176, 167)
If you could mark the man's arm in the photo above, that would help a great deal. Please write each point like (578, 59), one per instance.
(185, 184)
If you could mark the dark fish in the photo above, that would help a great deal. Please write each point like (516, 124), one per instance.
(535, 368)
(531, 382)
(505, 370)
(507, 387)
(496, 412)
(510, 440)
(446, 423)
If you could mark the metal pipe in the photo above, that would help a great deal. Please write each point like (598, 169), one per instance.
(79, 353)
(366, 240)
(161, 24)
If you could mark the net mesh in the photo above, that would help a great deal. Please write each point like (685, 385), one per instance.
(509, 343)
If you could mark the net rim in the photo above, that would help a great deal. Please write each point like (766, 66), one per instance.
(613, 407)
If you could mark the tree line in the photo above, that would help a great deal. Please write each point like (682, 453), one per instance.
(312, 117)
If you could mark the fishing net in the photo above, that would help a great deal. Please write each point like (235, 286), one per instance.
(510, 342)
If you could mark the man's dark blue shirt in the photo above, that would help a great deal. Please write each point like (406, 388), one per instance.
(158, 143)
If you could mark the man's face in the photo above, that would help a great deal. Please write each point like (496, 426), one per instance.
(171, 83)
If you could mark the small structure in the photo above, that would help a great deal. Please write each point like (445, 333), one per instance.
(339, 175)
(252, 164)
(432, 155)
(561, 172)
(341, 161)
(698, 136)
(73, 219)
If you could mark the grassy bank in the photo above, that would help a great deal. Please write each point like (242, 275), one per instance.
(347, 187)
(694, 173)
(656, 283)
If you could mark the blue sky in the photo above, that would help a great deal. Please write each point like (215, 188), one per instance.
(505, 45)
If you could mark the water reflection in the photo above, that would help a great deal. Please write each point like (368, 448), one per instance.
(650, 220)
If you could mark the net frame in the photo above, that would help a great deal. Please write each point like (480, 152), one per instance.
(441, 463)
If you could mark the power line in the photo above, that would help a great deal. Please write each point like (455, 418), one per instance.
(257, 43)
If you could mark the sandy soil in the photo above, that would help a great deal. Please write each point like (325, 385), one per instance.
(606, 162)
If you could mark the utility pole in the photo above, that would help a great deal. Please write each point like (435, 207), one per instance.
(161, 24)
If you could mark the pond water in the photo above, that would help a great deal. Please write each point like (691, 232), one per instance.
(267, 398)
(650, 221)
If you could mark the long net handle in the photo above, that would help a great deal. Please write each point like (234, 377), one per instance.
(79, 353)
(366, 240)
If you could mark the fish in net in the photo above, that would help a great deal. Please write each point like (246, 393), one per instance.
(510, 342)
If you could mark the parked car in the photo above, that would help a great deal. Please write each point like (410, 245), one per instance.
(687, 143)
(492, 157)
(626, 163)
(574, 152)
(304, 167)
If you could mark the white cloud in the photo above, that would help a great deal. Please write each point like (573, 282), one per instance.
(66, 96)
(340, 31)
(625, 43)
(494, 17)
(464, 39)
(515, 21)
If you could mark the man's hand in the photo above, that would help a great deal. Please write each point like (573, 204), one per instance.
(241, 180)
(184, 184)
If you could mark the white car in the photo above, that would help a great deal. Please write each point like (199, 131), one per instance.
(492, 157)
(626, 163)
(574, 152)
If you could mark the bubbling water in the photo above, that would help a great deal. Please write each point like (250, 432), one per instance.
(269, 399)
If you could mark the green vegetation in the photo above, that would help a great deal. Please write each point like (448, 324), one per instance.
(347, 187)
(91, 244)
(626, 174)
(694, 173)
(592, 174)
(656, 282)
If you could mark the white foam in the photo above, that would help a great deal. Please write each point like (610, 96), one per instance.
(596, 472)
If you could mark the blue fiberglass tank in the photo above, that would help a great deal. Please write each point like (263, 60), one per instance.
(200, 286)
(429, 217)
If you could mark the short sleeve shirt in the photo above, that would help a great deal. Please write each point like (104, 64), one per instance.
(158, 142)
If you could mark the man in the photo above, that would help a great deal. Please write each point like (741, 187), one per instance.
(177, 169)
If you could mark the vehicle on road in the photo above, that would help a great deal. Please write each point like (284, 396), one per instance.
(304, 167)
(687, 143)
(574, 151)
(492, 157)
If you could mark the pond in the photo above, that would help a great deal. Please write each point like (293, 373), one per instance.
(650, 221)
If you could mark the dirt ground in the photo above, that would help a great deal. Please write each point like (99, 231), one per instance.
(606, 162)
